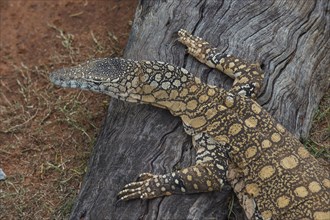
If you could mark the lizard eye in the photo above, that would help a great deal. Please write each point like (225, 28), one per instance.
(97, 82)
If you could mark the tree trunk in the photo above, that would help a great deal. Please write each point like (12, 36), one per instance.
(289, 38)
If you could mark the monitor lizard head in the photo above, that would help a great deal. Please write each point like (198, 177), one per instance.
(116, 77)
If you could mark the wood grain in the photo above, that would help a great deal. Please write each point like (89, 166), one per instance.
(289, 38)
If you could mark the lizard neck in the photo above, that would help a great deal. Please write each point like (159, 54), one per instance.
(171, 96)
(190, 101)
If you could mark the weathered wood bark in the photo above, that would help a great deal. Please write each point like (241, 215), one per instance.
(289, 38)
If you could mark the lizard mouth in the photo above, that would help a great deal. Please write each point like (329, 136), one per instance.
(59, 78)
(62, 79)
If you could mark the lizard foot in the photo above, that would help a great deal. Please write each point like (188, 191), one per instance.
(196, 46)
(146, 187)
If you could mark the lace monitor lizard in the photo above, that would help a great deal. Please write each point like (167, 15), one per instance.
(235, 138)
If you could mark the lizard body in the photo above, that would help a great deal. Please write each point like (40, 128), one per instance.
(269, 169)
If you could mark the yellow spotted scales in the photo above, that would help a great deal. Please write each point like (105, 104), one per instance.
(236, 140)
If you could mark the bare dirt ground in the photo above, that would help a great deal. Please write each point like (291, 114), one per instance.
(47, 133)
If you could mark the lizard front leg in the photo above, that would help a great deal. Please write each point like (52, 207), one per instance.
(248, 76)
(209, 173)
(202, 177)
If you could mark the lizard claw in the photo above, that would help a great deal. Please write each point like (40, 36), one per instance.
(139, 189)
(145, 176)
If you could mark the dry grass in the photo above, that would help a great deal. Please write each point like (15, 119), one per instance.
(54, 161)
(319, 141)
